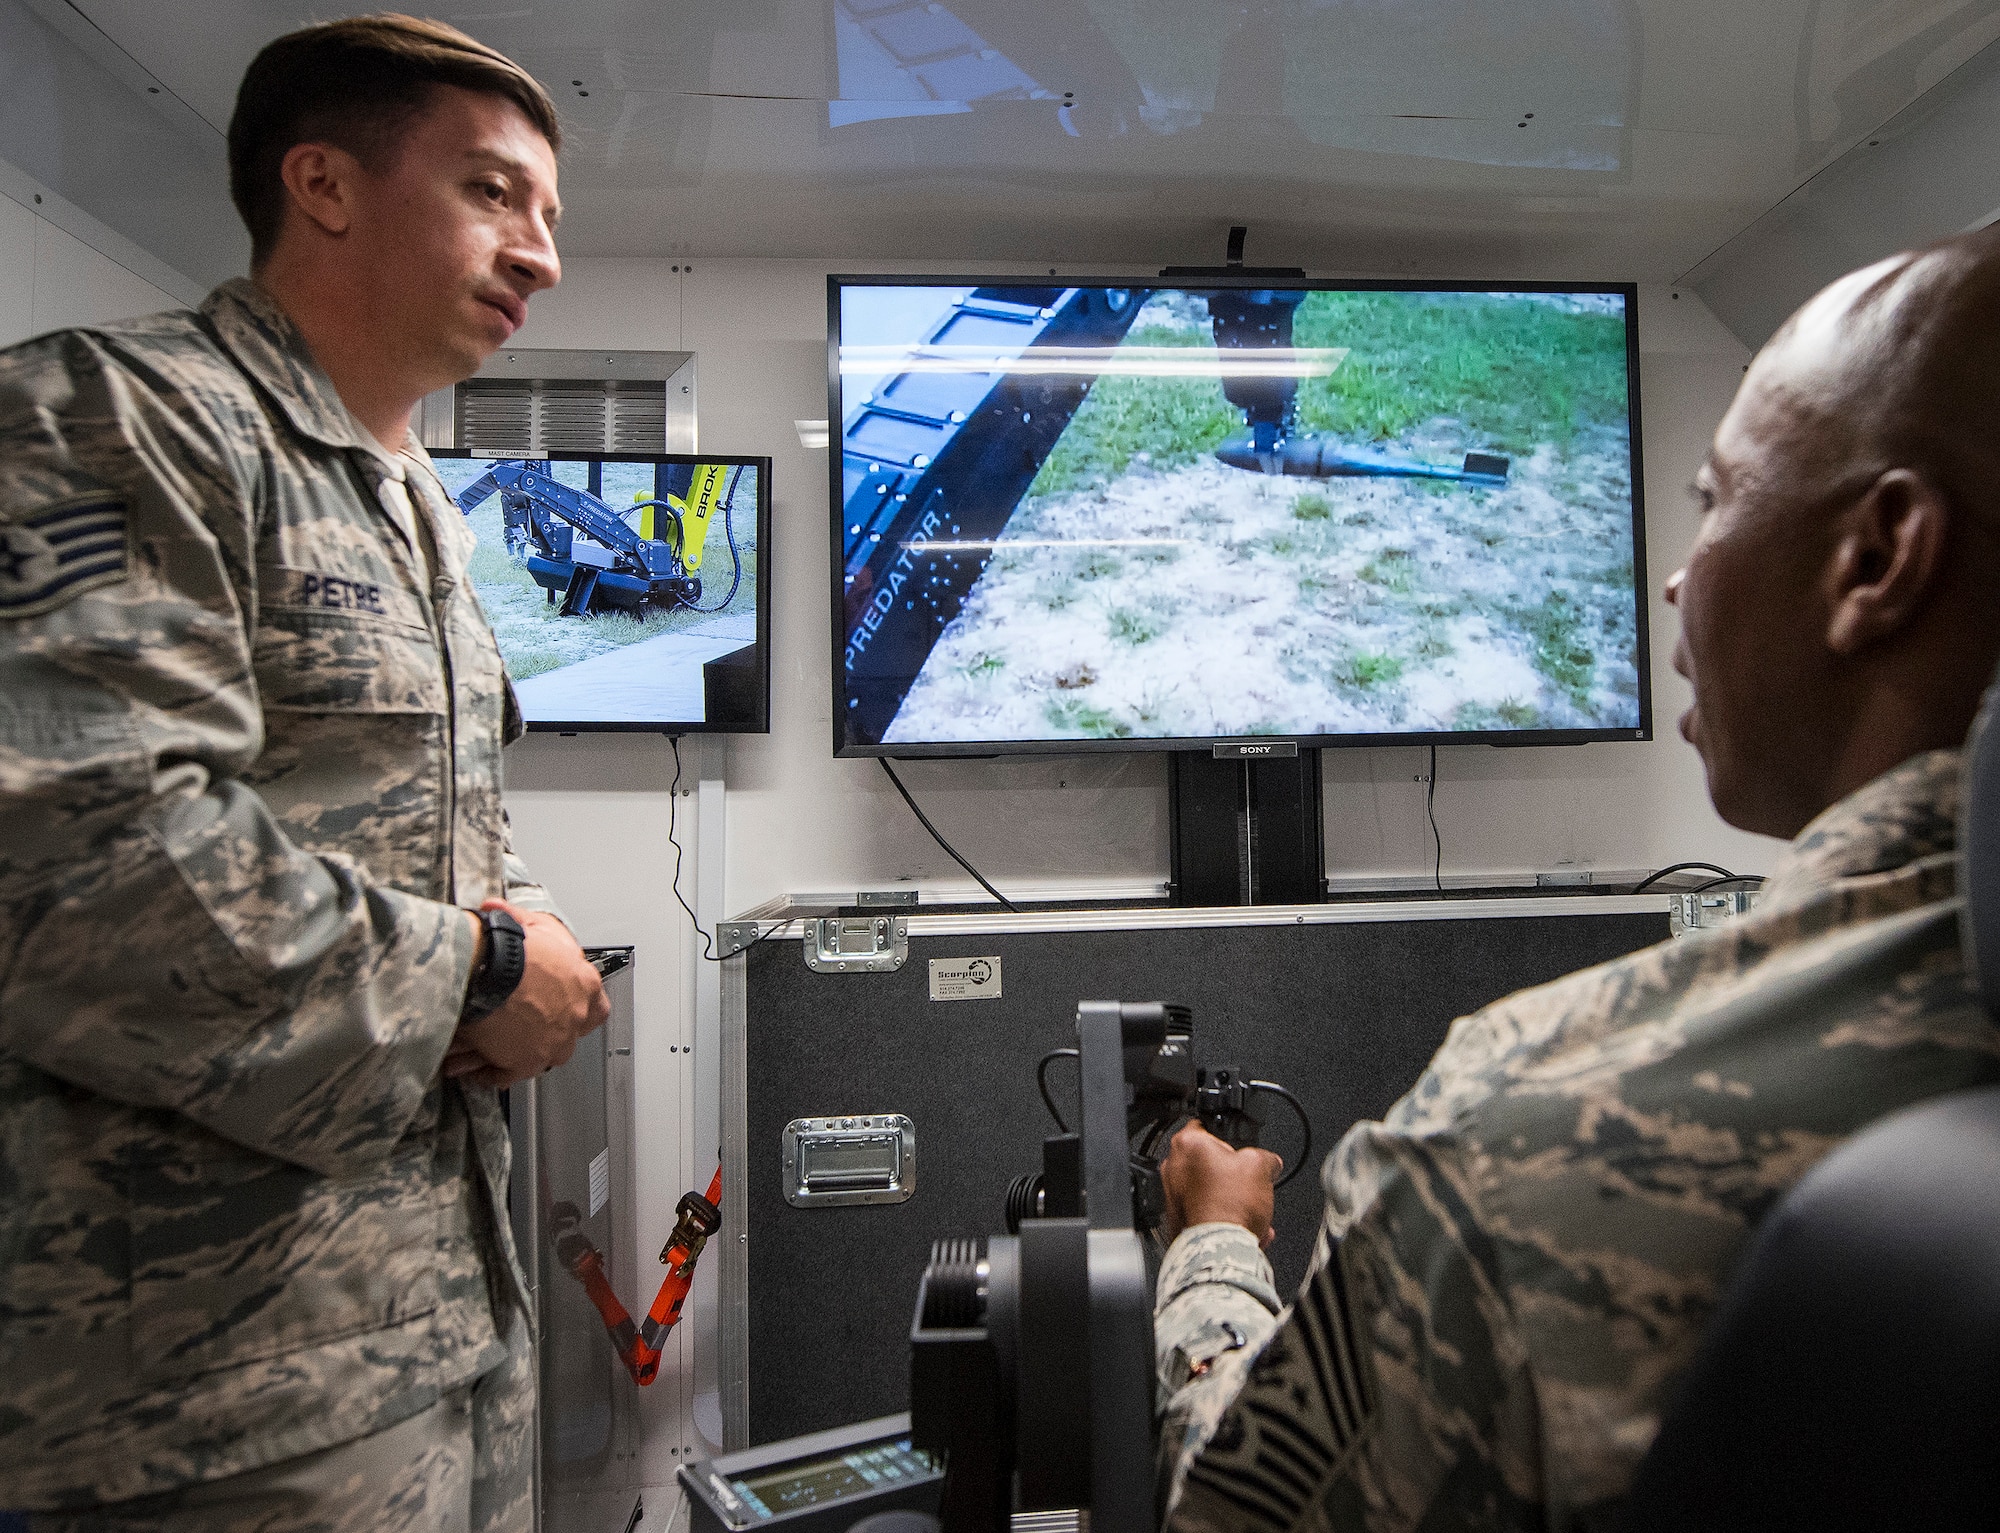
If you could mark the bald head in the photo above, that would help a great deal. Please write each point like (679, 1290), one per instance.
(1838, 607)
(1895, 365)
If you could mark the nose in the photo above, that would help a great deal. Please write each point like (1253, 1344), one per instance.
(1673, 587)
(534, 261)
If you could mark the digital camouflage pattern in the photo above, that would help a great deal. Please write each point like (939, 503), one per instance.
(1517, 1263)
(465, 1463)
(250, 770)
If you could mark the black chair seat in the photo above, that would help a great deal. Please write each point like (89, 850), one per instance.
(1852, 1376)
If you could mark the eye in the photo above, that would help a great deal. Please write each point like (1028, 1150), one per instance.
(1702, 496)
(492, 191)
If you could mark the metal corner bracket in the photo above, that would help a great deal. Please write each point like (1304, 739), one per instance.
(732, 937)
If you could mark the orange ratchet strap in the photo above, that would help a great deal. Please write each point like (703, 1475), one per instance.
(638, 1347)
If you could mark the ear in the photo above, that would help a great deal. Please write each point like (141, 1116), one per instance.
(1887, 557)
(321, 181)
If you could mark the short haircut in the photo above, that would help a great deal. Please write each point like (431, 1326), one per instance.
(1908, 375)
(354, 84)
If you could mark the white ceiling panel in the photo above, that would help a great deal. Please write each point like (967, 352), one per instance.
(1623, 138)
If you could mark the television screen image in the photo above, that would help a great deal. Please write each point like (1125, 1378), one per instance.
(625, 589)
(1091, 515)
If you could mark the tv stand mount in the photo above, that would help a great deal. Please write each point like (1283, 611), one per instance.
(1234, 269)
(1244, 817)
(1244, 825)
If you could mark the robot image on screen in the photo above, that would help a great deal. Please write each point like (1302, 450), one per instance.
(624, 589)
(1094, 514)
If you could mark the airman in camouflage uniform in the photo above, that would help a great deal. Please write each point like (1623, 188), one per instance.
(238, 1224)
(1518, 1262)
(253, 1271)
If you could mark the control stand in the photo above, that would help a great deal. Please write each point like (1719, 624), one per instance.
(1031, 1358)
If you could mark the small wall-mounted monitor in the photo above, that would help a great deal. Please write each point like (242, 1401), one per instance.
(1096, 515)
(628, 590)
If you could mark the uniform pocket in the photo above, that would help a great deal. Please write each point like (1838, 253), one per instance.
(364, 654)
(236, 1257)
(357, 757)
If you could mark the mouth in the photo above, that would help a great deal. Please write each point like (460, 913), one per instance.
(509, 307)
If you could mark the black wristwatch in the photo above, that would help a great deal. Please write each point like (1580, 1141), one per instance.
(506, 961)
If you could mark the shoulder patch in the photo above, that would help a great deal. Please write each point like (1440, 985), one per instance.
(54, 555)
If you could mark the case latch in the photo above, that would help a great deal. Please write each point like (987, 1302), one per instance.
(857, 944)
(866, 1158)
(1699, 912)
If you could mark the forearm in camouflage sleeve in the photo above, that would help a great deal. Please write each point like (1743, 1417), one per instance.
(161, 941)
(1214, 1307)
(1392, 1391)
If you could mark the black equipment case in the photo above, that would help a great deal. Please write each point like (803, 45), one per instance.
(878, 1080)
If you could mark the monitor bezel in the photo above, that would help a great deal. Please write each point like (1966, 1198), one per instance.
(761, 588)
(1204, 279)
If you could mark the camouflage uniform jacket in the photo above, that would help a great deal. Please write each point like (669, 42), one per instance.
(1518, 1261)
(249, 771)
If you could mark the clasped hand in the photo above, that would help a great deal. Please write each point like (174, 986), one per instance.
(559, 1000)
(1208, 1182)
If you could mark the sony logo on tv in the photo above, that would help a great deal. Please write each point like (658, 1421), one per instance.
(1243, 750)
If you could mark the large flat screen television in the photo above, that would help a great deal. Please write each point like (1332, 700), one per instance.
(628, 590)
(1092, 515)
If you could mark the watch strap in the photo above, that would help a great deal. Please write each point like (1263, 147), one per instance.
(499, 974)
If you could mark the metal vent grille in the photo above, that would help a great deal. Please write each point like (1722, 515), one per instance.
(637, 418)
(543, 415)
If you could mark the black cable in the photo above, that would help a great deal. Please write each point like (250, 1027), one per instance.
(666, 509)
(1042, 1082)
(1716, 883)
(1005, 903)
(673, 805)
(1430, 809)
(729, 536)
(1161, 1130)
(1680, 867)
(728, 533)
(1305, 1123)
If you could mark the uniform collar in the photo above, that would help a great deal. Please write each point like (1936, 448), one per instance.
(1908, 813)
(268, 346)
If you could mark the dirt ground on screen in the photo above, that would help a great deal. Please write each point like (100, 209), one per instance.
(1143, 588)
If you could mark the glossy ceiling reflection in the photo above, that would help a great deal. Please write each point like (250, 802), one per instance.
(1620, 138)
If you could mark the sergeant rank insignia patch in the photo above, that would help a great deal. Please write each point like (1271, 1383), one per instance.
(49, 557)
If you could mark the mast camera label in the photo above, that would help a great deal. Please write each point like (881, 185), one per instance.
(965, 979)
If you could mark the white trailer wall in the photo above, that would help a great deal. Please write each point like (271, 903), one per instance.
(801, 821)
(50, 279)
